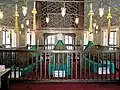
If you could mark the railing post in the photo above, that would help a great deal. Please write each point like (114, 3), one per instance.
(36, 66)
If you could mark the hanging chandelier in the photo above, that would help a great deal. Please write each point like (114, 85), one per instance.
(28, 29)
(94, 25)
(77, 20)
(22, 25)
(24, 10)
(63, 11)
(101, 12)
(20, 32)
(1, 14)
(96, 31)
(47, 19)
(27, 22)
(0, 28)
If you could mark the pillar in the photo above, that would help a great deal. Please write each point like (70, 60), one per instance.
(81, 15)
(16, 26)
(38, 22)
(34, 12)
(90, 36)
(109, 17)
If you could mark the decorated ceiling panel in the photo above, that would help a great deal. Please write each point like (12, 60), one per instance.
(8, 7)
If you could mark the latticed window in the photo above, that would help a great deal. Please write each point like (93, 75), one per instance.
(52, 10)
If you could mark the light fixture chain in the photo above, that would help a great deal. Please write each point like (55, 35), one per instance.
(25, 1)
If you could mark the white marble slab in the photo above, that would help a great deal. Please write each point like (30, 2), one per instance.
(103, 70)
(59, 73)
(2, 72)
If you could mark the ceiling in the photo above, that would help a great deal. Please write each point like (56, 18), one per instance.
(102, 21)
(8, 7)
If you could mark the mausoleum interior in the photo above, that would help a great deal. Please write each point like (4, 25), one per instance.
(60, 40)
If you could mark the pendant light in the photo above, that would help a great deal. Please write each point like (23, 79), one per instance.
(63, 11)
(76, 20)
(27, 22)
(28, 29)
(22, 25)
(97, 27)
(24, 8)
(1, 14)
(101, 10)
(47, 19)
(94, 25)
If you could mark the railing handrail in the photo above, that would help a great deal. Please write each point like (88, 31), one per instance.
(60, 51)
(76, 45)
(16, 47)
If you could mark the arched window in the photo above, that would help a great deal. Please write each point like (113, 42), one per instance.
(50, 42)
(105, 38)
(28, 38)
(6, 38)
(32, 38)
(112, 39)
(69, 41)
(9, 37)
(85, 39)
(13, 39)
